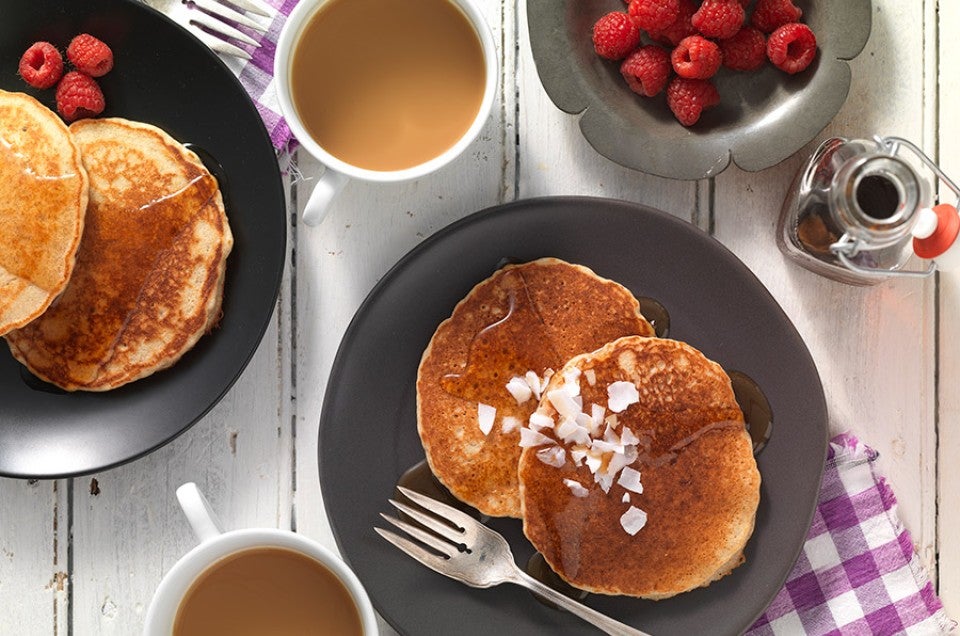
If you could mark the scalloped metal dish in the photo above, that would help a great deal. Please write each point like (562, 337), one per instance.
(763, 117)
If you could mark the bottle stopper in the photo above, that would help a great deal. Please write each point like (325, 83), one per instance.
(935, 235)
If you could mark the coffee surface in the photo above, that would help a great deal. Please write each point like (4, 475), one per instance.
(267, 591)
(387, 84)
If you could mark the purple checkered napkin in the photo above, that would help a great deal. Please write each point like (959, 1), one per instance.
(858, 573)
(256, 74)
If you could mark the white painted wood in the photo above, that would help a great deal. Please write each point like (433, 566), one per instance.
(874, 347)
(949, 345)
(555, 159)
(34, 582)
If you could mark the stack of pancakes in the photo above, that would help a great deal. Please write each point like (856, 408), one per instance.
(131, 264)
(647, 497)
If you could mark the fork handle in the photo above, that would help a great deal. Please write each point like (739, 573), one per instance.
(607, 624)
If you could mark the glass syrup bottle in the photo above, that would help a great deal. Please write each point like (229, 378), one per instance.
(852, 210)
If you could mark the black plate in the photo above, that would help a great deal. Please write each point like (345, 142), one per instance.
(162, 76)
(368, 433)
(763, 116)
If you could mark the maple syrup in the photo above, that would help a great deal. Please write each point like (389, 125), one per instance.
(656, 314)
(756, 408)
(419, 478)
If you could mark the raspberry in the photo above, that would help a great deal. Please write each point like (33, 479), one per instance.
(654, 15)
(615, 35)
(41, 65)
(90, 55)
(78, 96)
(719, 18)
(688, 98)
(746, 51)
(792, 47)
(768, 15)
(647, 70)
(696, 57)
(680, 28)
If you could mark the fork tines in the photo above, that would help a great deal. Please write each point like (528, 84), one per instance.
(445, 538)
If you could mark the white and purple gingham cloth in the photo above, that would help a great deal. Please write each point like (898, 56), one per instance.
(858, 573)
(256, 74)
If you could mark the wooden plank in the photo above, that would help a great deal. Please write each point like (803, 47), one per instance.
(874, 347)
(34, 569)
(127, 527)
(949, 363)
(557, 160)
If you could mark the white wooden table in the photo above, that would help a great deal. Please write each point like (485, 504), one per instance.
(83, 556)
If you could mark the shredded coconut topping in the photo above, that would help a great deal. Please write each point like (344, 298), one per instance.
(621, 395)
(576, 488)
(633, 520)
(519, 389)
(552, 456)
(530, 437)
(486, 415)
(510, 424)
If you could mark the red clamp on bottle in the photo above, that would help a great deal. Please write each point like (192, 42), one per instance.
(935, 236)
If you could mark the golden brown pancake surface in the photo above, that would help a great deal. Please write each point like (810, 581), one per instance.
(528, 317)
(700, 484)
(43, 200)
(149, 274)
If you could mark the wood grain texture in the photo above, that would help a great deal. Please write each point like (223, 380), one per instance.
(34, 564)
(948, 492)
(874, 346)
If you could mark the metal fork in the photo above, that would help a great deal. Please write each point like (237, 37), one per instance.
(476, 555)
(207, 20)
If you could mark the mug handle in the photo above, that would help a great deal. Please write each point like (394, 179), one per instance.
(198, 511)
(328, 187)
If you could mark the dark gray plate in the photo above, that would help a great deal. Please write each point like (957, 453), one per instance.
(763, 117)
(162, 76)
(368, 429)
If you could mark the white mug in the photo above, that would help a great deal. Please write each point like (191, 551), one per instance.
(216, 544)
(338, 172)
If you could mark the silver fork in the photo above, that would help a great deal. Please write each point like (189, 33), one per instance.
(206, 19)
(476, 555)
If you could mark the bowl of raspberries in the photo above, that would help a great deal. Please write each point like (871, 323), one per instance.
(680, 88)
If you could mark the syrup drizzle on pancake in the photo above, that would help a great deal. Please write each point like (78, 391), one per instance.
(510, 347)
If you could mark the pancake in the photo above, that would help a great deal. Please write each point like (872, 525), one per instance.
(43, 199)
(150, 268)
(699, 480)
(529, 317)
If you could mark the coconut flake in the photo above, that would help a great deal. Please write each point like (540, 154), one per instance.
(576, 488)
(628, 438)
(610, 435)
(540, 421)
(604, 480)
(619, 460)
(519, 389)
(630, 479)
(509, 424)
(611, 420)
(486, 415)
(530, 437)
(571, 381)
(625, 498)
(603, 446)
(596, 414)
(564, 403)
(621, 395)
(566, 429)
(578, 454)
(533, 382)
(633, 520)
(591, 376)
(552, 456)
(594, 461)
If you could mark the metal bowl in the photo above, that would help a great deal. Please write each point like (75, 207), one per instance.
(763, 117)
